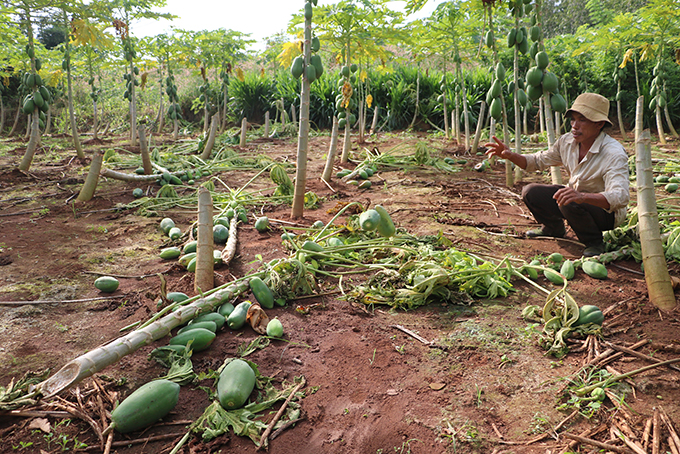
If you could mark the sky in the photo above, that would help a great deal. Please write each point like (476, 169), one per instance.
(258, 18)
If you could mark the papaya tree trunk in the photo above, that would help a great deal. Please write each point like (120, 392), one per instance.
(658, 280)
(133, 106)
(619, 113)
(90, 185)
(346, 144)
(456, 120)
(95, 121)
(555, 173)
(637, 75)
(244, 128)
(374, 122)
(466, 115)
(332, 149)
(480, 125)
(509, 177)
(205, 113)
(32, 143)
(417, 106)
(71, 108)
(267, 124)
(659, 125)
(48, 122)
(16, 122)
(639, 118)
(207, 149)
(225, 99)
(96, 360)
(29, 127)
(447, 131)
(303, 131)
(204, 278)
(161, 109)
(144, 151)
(671, 129)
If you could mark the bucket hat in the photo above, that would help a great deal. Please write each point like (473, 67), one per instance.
(592, 106)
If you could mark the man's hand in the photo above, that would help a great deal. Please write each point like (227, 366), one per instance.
(497, 148)
(567, 195)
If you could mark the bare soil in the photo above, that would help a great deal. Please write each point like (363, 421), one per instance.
(483, 385)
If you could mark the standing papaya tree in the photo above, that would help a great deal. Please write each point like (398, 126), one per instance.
(309, 75)
(34, 104)
(128, 11)
(541, 83)
(612, 37)
(13, 56)
(659, 29)
(449, 32)
(355, 30)
(517, 40)
(168, 51)
(92, 38)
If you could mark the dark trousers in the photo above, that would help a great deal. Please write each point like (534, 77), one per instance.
(587, 221)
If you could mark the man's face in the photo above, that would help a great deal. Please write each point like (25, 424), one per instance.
(583, 129)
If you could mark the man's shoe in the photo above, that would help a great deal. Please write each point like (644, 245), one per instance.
(594, 251)
(546, 232)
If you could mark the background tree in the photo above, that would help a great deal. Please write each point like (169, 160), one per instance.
(124, 12)
(355, 31)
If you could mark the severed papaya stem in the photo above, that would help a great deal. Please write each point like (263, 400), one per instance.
(93, 361)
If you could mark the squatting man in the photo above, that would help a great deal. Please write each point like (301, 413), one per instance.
(597, 193)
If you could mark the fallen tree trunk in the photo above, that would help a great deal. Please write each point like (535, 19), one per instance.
(93, 361)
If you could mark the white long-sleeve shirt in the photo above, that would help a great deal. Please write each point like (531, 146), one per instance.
(603, 170)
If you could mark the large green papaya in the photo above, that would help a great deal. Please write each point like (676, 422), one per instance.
(550, 82)
(496, 109)
(297, 67)
(542, 60)
(316, 61)
(534, 76)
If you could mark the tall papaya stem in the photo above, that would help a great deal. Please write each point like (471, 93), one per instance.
(417, 106)
(27, 159)
(671, 129)
(144, 151)
(303, 131)
(619, 112)
(463, 90)
(207, 149)
(480, 125)
(71, 113)
(90, 185)
(347, 143)
(658, 280)
(546, 112)
(133, 106)
(332, 149)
